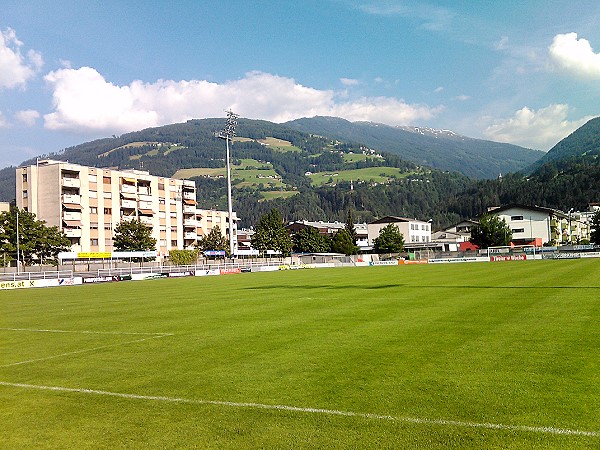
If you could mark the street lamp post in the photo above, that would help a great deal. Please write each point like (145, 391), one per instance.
(18, 258)
(570, 231)
(228, 133)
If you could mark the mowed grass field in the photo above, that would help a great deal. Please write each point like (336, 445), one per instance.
(503, 355)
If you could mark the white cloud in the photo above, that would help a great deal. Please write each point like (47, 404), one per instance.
(3, 122)
(502, 44)
(462, 97)
(85, 102)
(575, 55)
(438, 89)
(433, 17)
(16, 70)
(349, 81)
(27, 117)
(539, 129)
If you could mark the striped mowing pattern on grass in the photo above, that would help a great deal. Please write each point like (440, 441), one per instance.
(465, 356)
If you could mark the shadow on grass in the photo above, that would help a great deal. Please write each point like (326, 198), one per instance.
(392, 286)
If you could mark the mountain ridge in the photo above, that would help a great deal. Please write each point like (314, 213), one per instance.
(475, 158)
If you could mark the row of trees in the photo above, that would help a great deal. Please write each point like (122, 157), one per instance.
(31, 241)
(270, 234)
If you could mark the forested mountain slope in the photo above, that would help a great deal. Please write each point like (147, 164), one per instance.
(439, 149)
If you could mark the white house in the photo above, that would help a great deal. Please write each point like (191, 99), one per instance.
(413, 230)
(535, 225)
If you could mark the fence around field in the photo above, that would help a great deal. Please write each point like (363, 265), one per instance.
(108, 268)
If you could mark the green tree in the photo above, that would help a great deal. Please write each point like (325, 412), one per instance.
(595, 227)
(38, 243)
(133, 235)
(349, 227)
(214, 240)
(270, 234)
(342, 243)
(183, 257)
(309, 240)
(390, 240)
(491, 231)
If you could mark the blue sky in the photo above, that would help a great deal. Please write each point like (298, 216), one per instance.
(524, 72)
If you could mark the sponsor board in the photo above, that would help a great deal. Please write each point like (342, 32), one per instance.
(148, 276)
(391, 262)
(180, 274)
(565, 255)
(230, 271)
(457, 260)
(5, 285)
(590, 255)
(50, 282)
(508, 258)
(101, 279)
(265, 269)
(406, 262)
(207, 272)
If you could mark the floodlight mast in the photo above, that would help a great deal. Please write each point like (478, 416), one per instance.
(228, 133)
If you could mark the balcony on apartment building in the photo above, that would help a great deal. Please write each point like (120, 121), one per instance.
(71, 216)
(72, 232)
(189, 209)
(71, 198)
(189, 195)
(144, 198)
(146, 220)
(128, 189)
(143, 190)
(128, 204)
(190, 235)
(70, 182)
(190, 223)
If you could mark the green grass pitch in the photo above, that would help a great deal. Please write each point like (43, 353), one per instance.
(502, 355)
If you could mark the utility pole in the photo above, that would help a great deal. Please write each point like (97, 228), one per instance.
(18, 250)
(228, 133)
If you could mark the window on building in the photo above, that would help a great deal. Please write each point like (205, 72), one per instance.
(93, 241)
(107, 195)
(174, 243)
(106, 180)
(93, 194)
(93, 210)
(93, 178)
(108, 211)
(24, 178)
(518, 230)
(93, 225)
(516, 217)
(25, 194)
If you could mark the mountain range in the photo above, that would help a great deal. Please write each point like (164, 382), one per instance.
(440, 149)
(317, 169)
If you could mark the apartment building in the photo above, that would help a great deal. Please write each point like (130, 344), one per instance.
(87, 203)
(212, 218)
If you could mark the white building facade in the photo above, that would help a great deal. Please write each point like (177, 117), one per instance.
(535, 225)
(414, 230)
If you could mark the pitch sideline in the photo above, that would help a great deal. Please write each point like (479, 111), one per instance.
(332, 412)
